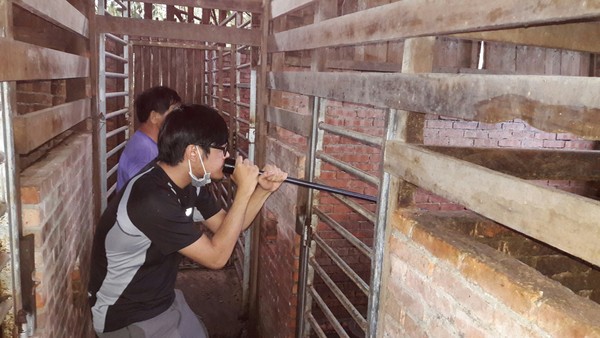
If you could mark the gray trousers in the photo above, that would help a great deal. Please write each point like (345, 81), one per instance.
(178, 321)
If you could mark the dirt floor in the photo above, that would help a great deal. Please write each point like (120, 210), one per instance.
(215, 296)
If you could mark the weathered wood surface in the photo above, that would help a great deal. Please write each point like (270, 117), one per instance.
(534, 164)
(34, 129)
(254, 6)
(582, 36)
(280, 7)
(22, 61)
(60, 13)
(156, 65)
(560, 219)
(365, 66)
(550, 103)
(177, 30)
(404, 19)
(292, 121)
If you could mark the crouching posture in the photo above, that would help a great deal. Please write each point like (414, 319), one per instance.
(149, 225)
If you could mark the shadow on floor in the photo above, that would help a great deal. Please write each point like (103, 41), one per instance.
(215, 296)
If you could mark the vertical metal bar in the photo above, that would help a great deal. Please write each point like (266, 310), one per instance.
(248, 235)
(304, 274)
(10, 200)
(220, 74)
(102, 114)
(379, 234)
(10, 192)
(252, 117)
(127, 53)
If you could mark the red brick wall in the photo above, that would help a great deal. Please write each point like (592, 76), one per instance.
(57, 208)
(441, 284)
(279, 250)
(36, 95)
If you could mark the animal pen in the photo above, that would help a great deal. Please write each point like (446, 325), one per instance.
(474, 124)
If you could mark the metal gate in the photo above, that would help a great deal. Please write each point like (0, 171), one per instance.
(231, 89)
(113, 103)
(337, 292)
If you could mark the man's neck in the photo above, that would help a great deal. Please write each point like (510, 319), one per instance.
(178, 173)
(150, 130)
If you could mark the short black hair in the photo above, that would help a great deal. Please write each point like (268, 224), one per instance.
(158, 98)
(195, 124)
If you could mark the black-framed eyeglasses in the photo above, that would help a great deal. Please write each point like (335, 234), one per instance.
(221, 148)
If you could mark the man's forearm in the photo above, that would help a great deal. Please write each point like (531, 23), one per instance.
(257, 200)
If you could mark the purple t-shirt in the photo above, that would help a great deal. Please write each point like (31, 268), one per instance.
(139, 151)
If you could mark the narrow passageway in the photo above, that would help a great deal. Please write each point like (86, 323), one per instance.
(215, 296)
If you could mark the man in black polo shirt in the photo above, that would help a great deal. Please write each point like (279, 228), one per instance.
(146, 228)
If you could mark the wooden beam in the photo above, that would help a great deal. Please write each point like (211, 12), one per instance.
(22, 61)
(550, 103)
(364, 66)
(560, 219)
(292, 121)
(532, 164)
(60, 13)
(253, 6)
(404, 19)
(177, 30)
(581, 36)
(281, 7)
(182, 45)
(34, 129)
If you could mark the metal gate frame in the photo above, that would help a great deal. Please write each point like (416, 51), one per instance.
(311, 240)
(104, 153)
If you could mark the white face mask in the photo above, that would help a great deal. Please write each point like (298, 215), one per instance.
(199, 182)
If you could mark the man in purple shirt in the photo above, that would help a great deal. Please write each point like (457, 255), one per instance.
(151, 108)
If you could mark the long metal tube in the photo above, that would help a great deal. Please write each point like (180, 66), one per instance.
(230, 166)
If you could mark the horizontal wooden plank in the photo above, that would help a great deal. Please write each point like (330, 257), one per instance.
(565, 221)
(60, 13)
(581, 36)
(534, 164)
(185, 45)
(405, 19)
(330, 63)
(550, 103)
(178, 30)
(34, 129)
(254, 6)
(292, 121)
(280, 7)
(22, 61)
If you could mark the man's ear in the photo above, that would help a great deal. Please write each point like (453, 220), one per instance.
(155, 117)
(191, 151)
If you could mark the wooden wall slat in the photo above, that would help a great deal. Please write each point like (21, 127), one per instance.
(563, 220)
(253, 6)
(60, 13)
(281, 7)
(533, 164)
(404, 19)
(34, 129)
(177, 68)
(292, 121)
(582, 36)
(175, 30)
(550, 103)
(22, 61)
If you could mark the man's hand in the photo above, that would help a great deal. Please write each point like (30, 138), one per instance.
(245, 175)
(271, 178)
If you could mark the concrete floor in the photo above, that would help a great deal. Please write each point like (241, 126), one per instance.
(215, 296)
